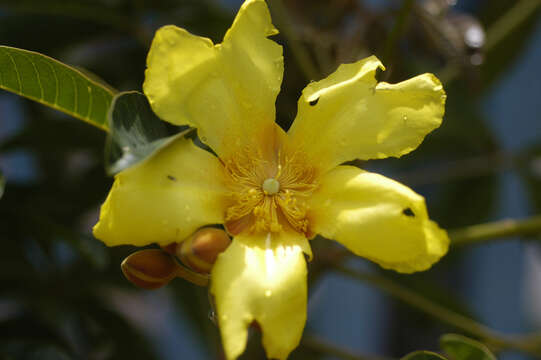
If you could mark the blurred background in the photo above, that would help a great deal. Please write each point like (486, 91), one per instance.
(62, 294)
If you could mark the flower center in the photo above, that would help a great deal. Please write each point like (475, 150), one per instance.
(268, 196)
(271, 186)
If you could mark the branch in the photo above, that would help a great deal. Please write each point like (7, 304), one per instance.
(282, 19)
(499, 229)
(529, 344)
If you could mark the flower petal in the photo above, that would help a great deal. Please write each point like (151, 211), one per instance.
(163, 199)
(359, 118)
(261, 280)
(377, 218)
(228, 90)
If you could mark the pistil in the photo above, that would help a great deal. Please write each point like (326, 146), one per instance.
(271, 186)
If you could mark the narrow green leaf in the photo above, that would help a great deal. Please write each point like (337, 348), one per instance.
(52, 83)
(136, 133)
(459, 347)
(423, 355)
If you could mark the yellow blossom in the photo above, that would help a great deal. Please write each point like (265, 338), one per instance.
(272, 190)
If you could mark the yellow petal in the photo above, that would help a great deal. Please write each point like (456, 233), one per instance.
(163, 199)
(264, 280)
(349, 115)
(228, 90)
(377, 218)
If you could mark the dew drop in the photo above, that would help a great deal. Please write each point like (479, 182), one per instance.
(268, 293)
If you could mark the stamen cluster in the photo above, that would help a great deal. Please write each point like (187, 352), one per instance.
(253, 208)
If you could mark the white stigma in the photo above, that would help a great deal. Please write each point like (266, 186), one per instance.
(271, 186)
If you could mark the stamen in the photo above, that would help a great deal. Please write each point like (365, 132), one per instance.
(262, 204)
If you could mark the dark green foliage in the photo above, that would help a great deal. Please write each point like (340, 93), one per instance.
(459, 347)
(45, 80)
(423, 355)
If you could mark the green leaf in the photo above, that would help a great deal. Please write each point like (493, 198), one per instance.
(136, 133)
(423, 355)
(459, 347)
(52, 83)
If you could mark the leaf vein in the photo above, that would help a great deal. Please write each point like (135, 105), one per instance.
(90, 101)
(76, 94)
(56, 86)
(16, 70)
(37, 76)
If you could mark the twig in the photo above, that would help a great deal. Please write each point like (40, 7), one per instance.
(460, 169)
(499, 229)
(99, 15)
(283, 21)
(528, 344)
(397, 30)
(509, 22)
(497, 32)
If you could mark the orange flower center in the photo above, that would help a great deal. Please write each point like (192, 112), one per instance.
(268, 195)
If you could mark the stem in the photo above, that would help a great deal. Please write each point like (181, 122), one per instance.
(528, 344)
(194, 278)
(499, 30)
(300, 53)
(79, 11)
(460, 169)
(498, 229)
(510, 21)
(398, 29)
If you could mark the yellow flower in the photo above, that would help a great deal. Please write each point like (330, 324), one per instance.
(274, 190)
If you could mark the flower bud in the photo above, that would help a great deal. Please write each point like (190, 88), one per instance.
(149, 268)
(199, 252)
